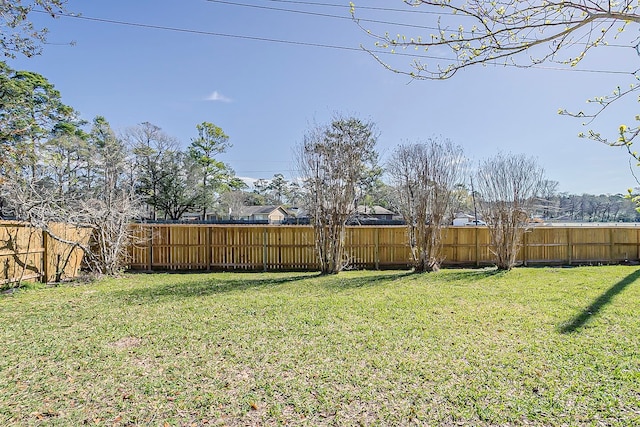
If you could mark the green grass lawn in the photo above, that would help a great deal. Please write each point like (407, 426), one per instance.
(459, 347)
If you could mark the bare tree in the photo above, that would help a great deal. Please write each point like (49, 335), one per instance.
(508, 185)
(547, 200)
(108, 219)
(234, 201)
(28, 202)
(333, 160)
(425, 177)
(110, 208)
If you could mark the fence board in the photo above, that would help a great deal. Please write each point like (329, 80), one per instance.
(28, 254)
(292, 247)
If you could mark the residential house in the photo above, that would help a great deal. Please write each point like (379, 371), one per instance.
(366, 213)
(375, 212)
(462, 219)
(190, 216)
(272, 213)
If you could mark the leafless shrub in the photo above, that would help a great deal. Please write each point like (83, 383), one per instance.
(112, 234)
(334, 160)
(425, 177)
(508, 185)
(109, 218)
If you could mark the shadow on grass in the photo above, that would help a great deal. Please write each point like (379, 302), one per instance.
(339, 282)
(471, 275)
(226, 283)
(210, 286)
(585, 315)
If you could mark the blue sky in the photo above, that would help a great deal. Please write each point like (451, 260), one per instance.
(265, 95)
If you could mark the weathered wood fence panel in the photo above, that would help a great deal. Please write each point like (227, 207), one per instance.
(28, 254)
(21, 253)
(277, 247)
(467, 246)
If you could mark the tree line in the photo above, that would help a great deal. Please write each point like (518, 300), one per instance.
(56, 167)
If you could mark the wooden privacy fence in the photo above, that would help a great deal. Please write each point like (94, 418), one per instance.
(278, 247)
(29, 254)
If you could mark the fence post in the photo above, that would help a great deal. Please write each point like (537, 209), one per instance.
(150, 249)
(611, 245)
(376, 240)
(45, 257)
(525, 248)
(569, 246)
(265, 236)
(207, 242)
(477, 255)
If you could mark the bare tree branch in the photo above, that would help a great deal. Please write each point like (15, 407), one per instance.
(333, 161)
(520, 33)
(425, 177)
(508, 185)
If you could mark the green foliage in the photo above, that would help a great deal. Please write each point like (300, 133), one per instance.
(588, 208)
(67, 158)
(30, 110)
(211, 141)
(177, 188)
(277, 191)
(173, 182)
(110, 158)
(215, 176)
(634, 197)
(158, 169)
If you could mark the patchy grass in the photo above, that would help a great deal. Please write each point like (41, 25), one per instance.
(459, 347)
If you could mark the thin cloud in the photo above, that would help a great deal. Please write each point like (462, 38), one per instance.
(248, 180)
(217, 96)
